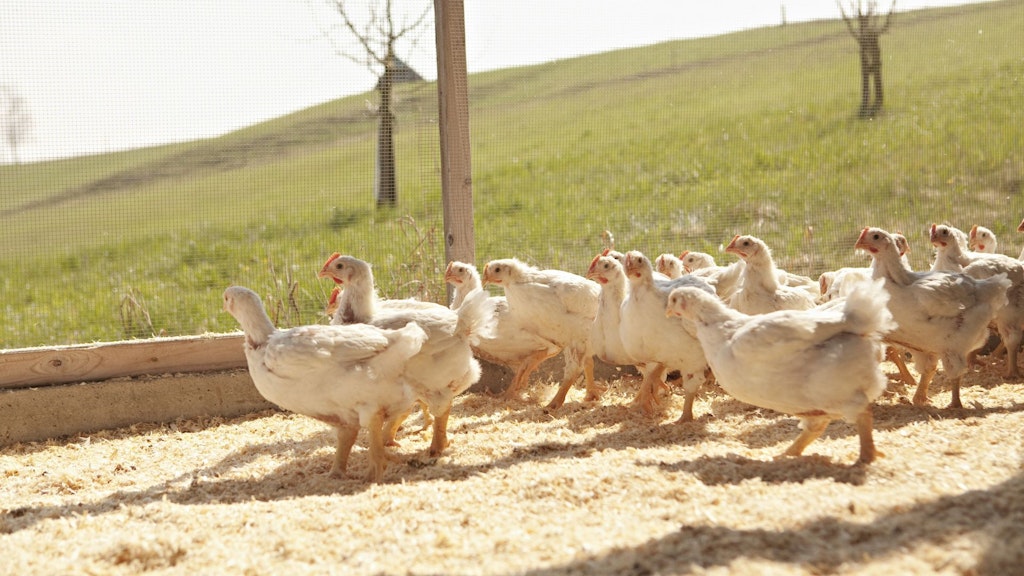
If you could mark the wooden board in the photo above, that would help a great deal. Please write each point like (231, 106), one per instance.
(25, 367)
(38, 414)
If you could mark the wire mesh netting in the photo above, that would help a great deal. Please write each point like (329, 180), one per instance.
(669, 144)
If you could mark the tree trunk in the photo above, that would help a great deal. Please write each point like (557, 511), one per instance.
(876, 68)
(386, 190)
(865, 84)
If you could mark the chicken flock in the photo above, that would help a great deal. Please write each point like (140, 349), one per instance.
(810, 348)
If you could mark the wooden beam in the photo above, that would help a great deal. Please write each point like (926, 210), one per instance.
(453, 104)
(20, 368)
(37, 414)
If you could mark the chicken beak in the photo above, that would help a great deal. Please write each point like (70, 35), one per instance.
(732, 249)
(323, 269)
(862, 242)
(1020, 227)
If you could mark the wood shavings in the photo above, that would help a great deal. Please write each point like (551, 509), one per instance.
(590, 488)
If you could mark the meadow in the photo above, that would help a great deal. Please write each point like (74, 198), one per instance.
(675, 146)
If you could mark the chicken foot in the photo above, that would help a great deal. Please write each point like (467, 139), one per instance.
(906, 378)
(647, 397)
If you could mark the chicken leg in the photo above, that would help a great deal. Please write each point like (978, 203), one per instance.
(394, 423)
(346, 439)
(594, 389)
(813, 426)
(647, 397)
(577, 362)
(1012, 339)
(378, 460)
(439, 441)
(522, 375)
(927, 365)
(691, 386)
(896, 357)
(868, 452)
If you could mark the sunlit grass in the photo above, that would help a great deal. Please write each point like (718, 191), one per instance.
(674, 146)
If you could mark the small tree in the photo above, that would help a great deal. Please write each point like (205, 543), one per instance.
(15, 120)
(866, 26)
(378, 37)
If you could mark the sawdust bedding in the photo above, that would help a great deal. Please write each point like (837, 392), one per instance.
(593, 488)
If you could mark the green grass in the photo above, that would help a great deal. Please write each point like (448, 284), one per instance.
(674, 146)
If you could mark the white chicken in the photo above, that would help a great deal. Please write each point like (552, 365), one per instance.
(355, 306)
(659, 343)
(445, 366)
(839, 283)
(605, 336)
(939, 314)
(557, 305)
(346, 376)
(1020, 228)
(513, 344)
(1009, 319)
(760, 291)
(334, 303)
(724, 279)
(669, 265)
(818, 365)
(835, 284)
(981, 239)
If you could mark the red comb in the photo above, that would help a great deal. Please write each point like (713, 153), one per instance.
(333, 257)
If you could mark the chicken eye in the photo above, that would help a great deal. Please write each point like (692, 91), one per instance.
(877, 236)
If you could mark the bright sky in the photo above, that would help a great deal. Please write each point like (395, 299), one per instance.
(103, 75)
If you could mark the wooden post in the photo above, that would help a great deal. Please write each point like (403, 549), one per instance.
(453, 104)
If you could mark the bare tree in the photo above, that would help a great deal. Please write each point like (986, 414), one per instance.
(378, 33)
(866, 26)
(15, 120)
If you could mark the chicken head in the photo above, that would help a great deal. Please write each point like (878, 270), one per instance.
(342, 269)
(744, 246)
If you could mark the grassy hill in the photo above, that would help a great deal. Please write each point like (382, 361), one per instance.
(674, 146)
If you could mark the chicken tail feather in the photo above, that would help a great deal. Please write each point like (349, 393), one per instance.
(866, 309)
(477, 317)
